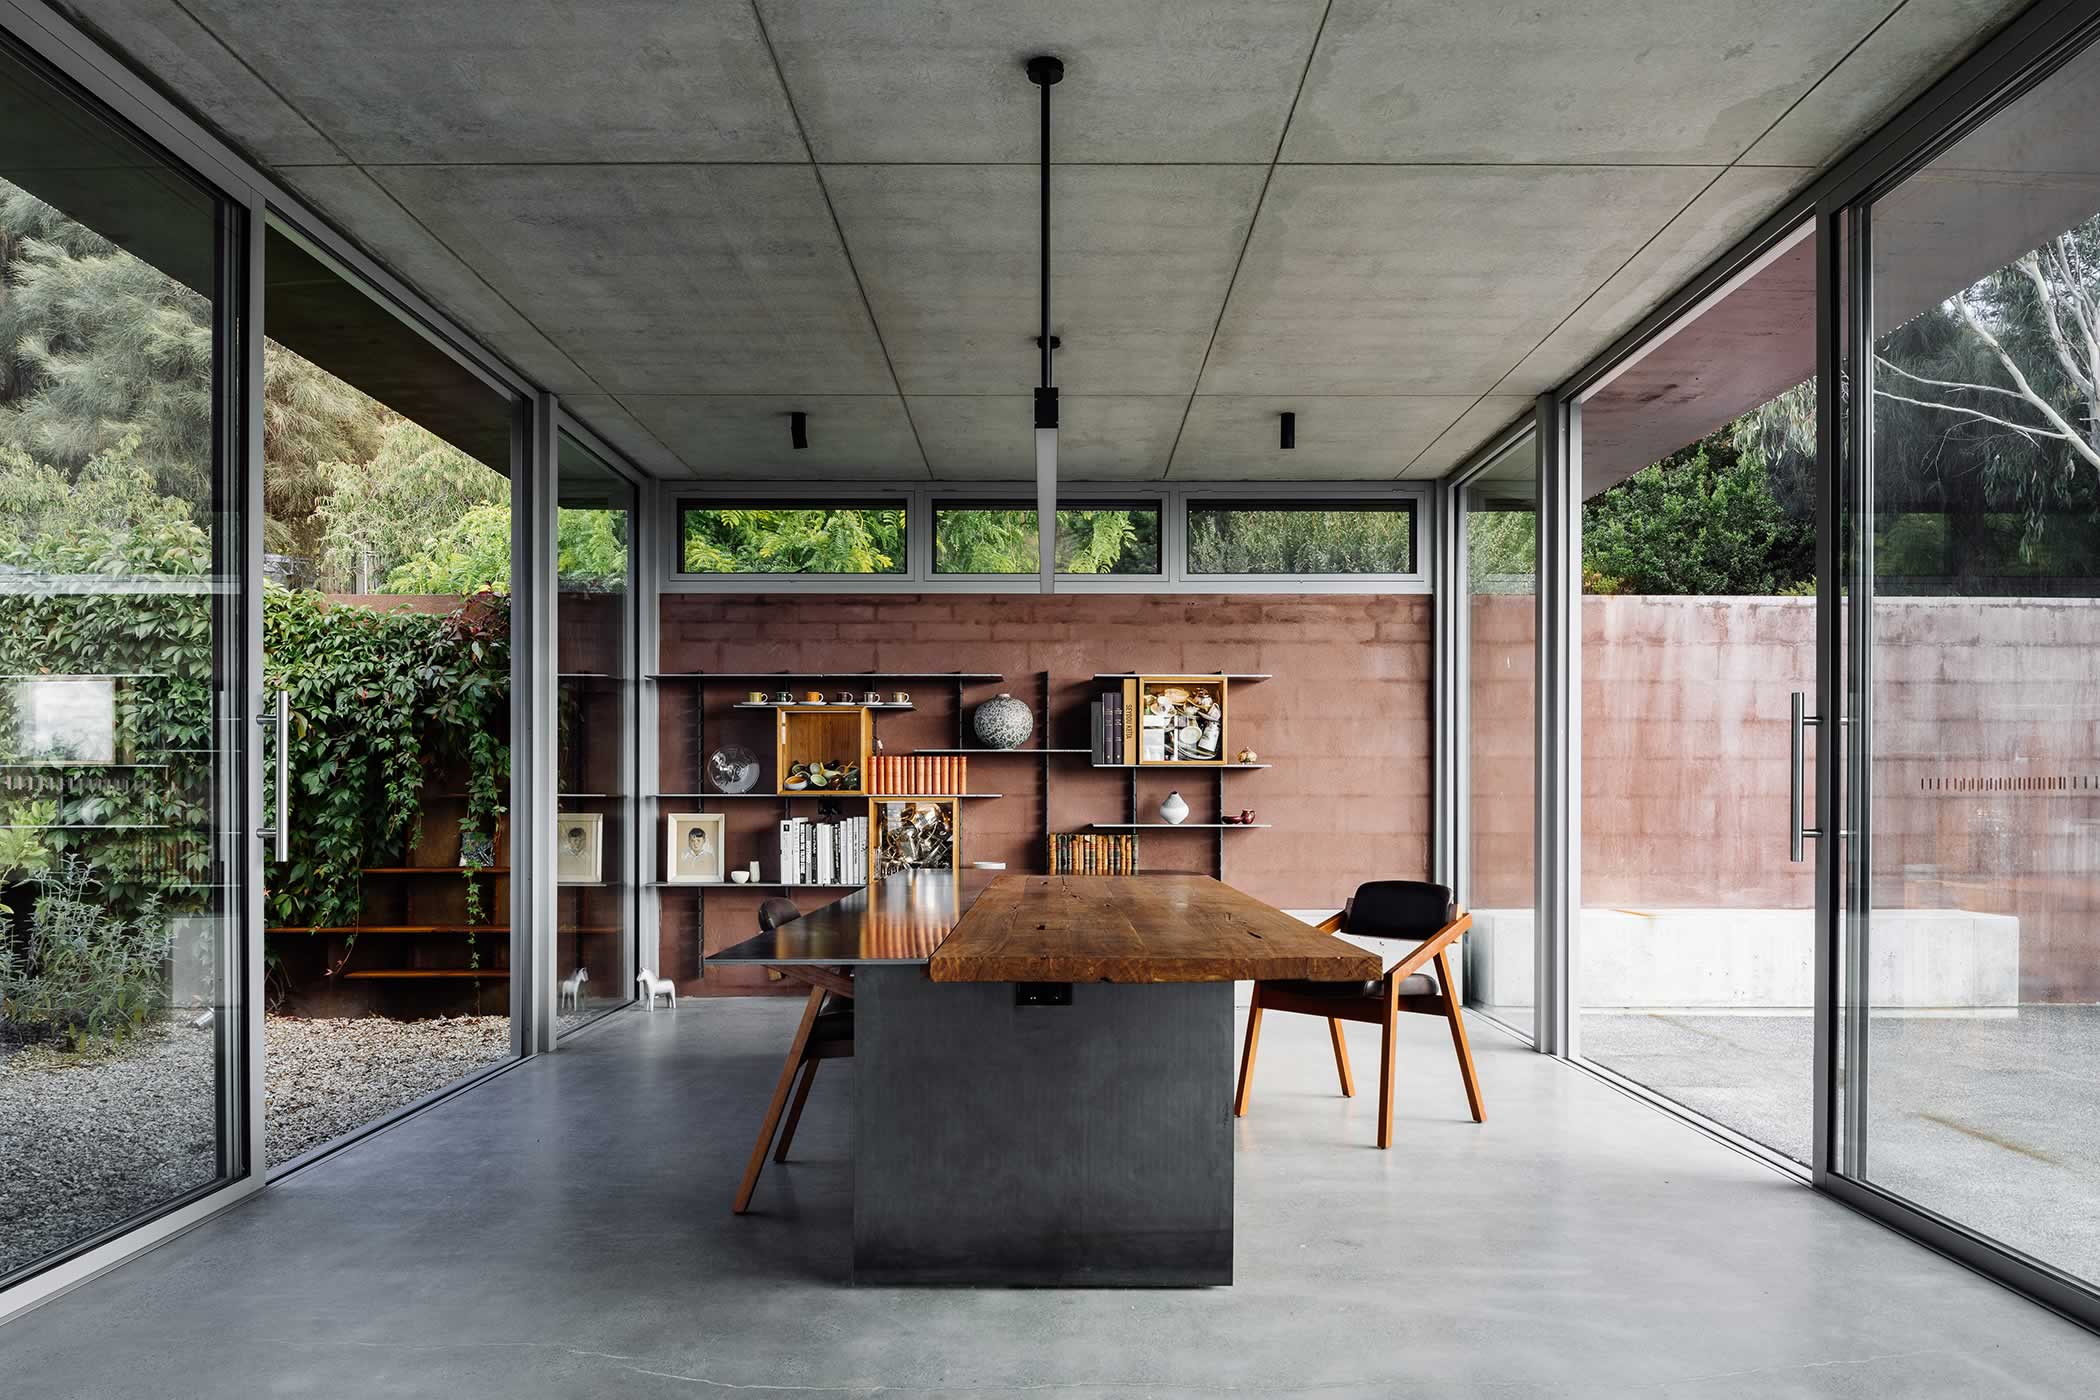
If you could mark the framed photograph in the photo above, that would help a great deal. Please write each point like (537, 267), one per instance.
(912, 833)
(693, 848)
(1181, 719)
(579, 848)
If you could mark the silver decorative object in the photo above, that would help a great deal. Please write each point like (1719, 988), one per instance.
(733, 768)
(1004, 722)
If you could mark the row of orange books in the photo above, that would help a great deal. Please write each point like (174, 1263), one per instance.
(919, 774)
(1090, 853)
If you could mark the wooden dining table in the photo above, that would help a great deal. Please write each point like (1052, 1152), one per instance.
(1044, 1068)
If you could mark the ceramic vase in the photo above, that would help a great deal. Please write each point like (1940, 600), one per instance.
(1004, 722)
(1174, 810)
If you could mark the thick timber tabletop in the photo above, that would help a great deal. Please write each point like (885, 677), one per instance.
(1136, 929)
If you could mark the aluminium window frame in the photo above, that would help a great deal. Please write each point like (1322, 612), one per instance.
(1173, 499)
(2022, 54)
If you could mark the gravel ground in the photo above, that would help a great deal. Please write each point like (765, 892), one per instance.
(88, 1141)
(329, 1077)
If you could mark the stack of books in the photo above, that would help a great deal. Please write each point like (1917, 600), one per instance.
(1114, 721)
(918, 775)
(824, 852)
(1092, 853)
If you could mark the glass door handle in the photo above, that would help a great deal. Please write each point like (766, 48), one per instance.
(280, 835)
(1796, 774)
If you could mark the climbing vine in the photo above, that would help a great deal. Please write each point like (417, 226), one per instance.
(382, 702)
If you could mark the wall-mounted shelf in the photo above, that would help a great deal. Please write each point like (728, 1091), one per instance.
(979, 753)
(909, 796)
(825, 676)
(818, 704)
(1192, 763)
(391, 928)
(1180, 826)
(709, 796)
(1248, 676)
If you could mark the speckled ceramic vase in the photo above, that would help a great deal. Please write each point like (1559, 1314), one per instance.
(1174, 809)
(1004, 722)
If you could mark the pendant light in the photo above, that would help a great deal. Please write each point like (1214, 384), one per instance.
(1045, 72)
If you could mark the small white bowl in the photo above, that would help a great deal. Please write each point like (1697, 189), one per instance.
(741, 877)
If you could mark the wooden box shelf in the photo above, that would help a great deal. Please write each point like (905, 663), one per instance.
(823, 734)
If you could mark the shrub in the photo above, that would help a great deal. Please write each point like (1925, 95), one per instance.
(77, 972)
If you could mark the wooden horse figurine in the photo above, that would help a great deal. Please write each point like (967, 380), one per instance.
(572, 989)
(653, 987)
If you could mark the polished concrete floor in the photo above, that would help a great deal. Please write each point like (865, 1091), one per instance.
(564, 1230)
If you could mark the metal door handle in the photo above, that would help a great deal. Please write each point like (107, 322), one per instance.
(281, 833)
(1795, 772)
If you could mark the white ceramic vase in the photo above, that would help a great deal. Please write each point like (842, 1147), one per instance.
(1174, 810)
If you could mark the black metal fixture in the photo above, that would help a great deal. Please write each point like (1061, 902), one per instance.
(1046, 72)
(798, 429)
(1290, 431)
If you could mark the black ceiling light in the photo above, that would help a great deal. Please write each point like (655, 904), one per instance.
(1290, 431)
(1046, 72)
(798, 429)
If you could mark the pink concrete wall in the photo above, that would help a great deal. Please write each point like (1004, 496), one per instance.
(1986, 743)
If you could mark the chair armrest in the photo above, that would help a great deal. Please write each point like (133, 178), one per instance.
(1427, 950)
(1332, 923)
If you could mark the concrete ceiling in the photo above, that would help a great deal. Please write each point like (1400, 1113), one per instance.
(1398, 219)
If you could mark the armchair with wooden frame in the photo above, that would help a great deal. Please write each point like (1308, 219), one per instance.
(1403, 911)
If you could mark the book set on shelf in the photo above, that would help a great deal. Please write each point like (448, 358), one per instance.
(824, 851)
(919, 775)
(1084, 853)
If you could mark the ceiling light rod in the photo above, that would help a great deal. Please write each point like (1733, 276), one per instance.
(1046, 72)
(798, 429)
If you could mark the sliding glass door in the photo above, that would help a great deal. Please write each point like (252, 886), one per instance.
(1973, 952)
(125, 852)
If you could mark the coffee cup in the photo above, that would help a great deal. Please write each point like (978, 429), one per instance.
(902, 697)
(755, 697)
(785, 697)
(845, 697)
(873, 697)
(814, 697)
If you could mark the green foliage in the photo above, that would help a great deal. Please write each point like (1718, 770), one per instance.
(1701, 521)
(79, 971)
(1345, 540)
(380, 700)
(384, 509)
(851, 540)
(1501, 550)
(141, 820)
(472, 554)
(978, 540)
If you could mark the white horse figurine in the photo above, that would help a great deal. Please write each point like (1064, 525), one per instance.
(572, 989)
(653, 987)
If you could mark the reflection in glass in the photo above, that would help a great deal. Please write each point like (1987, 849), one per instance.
(1338, 537)
(1501, 550)
(1980, 712)
(121, 1031)
(1696, 936)
(596, 839)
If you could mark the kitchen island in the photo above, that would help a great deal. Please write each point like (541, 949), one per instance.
(1043, 1086)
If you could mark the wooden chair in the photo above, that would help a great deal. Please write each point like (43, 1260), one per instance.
(1406, 910)
(825, 1033)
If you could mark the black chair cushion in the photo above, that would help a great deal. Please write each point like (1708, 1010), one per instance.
(1412, 909)
(774, 912)
(833, 1023)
